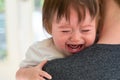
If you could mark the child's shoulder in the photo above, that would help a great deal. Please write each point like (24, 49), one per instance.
(44, 43)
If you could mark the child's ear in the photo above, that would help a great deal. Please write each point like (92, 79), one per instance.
(47, 27)
(50, 32)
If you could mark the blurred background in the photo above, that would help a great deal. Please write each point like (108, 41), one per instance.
(20, 26)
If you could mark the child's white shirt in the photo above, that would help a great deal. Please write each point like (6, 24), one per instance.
(42, 50)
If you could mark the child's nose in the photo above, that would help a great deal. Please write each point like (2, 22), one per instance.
(76, 37)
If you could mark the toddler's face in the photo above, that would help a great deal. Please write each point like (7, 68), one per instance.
(73, 36)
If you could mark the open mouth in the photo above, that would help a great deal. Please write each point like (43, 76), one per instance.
(74, 48)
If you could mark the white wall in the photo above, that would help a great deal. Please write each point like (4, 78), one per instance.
(19, 35)
(23, 27)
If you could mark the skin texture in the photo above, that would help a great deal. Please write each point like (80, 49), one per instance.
(33, 73)
(71, 35)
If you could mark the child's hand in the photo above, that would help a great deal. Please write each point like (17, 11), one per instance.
(33, 73)
(43, 74)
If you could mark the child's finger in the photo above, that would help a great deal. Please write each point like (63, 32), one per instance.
(41, 78)
(42, 64)
(45, 74)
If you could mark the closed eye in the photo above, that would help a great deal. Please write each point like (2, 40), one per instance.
(65, 31)
(87, 30)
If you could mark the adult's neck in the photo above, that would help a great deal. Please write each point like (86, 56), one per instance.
(110, 33)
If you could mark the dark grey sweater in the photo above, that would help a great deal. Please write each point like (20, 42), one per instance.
(98, 62)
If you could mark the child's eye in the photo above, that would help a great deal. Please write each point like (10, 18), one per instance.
(85, 30)
(65, 31)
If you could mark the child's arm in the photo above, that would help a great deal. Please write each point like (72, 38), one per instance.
(33, 73)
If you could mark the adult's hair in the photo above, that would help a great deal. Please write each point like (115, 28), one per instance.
(62, 8)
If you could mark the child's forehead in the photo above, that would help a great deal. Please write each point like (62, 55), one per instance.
(73, 18)
(72, 13)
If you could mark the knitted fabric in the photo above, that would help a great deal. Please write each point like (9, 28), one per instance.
(98, 62)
